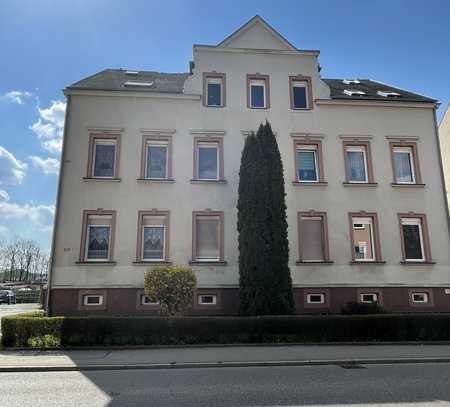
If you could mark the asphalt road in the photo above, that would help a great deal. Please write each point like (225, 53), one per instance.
(374, 385)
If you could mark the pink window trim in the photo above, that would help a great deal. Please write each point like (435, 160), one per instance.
(101, 136)
(145, 140)
(212, 140)
(207, 213)
(223, 78)
(154, 212)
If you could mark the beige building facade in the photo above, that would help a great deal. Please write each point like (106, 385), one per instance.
(150, 174)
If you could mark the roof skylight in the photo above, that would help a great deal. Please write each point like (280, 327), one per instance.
(351, 81)
(139, 84)
(354, 92)
(388, 94)
(131, 73)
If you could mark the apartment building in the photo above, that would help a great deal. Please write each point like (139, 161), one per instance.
(150, 173)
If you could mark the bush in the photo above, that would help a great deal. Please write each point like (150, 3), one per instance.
(38, 331)
(172, 286)
(361, 308)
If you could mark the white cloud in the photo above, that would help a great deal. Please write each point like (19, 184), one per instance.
(4, 196)
(16, 96)
(40, 215)
(48, 165)
(12, 171)
(50, 125)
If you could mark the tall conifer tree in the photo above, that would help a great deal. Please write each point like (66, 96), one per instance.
(265, 281)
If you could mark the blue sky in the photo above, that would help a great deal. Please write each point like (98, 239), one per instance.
(46, 45)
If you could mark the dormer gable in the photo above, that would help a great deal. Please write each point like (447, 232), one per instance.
(257, 34)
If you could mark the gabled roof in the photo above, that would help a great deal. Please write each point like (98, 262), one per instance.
(122, 80)
(371, 89)
(251, 24)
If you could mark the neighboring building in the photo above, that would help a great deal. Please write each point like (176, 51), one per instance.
(444, 137)
(150, 173)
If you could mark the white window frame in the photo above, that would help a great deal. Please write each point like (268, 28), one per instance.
(206, 144)
(88, 232)
(207, 259)
(258, 82)
(358, 149)
(374, 298)
(143, 242)
(300, 84)
(417, 222)
(201, 302)
(214, 80)
(364, 221)
(108, 142)
(426, 297)
(144, 301)
(309, 148)
(156, 143)
(409, 151)
(322, 237)
(322, 298)
(86, 303)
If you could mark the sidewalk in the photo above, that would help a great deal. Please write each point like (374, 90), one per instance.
(219, 356)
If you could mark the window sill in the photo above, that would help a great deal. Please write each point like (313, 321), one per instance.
(310, 184)
(417, 263)
(155, 180)
(207, 181)
(97, 263)
(312, 263)
(155, 263)
(207, 263)
(400, 185)
(214, 106)
(301, 109)
(102, 179)
(376, 262)
(258, 108)
(360, 184)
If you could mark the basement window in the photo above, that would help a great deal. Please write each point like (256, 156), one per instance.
(92, 300)
(207, 299)
(369, 298)
(419, 298)
(318, 298)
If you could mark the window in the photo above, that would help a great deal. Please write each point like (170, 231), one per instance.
(364, 237)
(313, 237)
(208, 159)
(207, 236)
(207, 299)
(315, 298)
(258, 91)
(357, 163)
(300, 91)
(92, 299)
(145, 300)
(419, 297)
(405, 163)
(103, 156)
(152, 239)
(307, 170)
(97, 239)
(368, 298)
(414, 236)
(214, 89)
(156, 163)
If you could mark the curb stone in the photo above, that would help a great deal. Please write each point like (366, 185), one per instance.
(194, 365)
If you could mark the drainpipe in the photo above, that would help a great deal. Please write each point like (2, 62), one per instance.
(441, 168)
(55, 221)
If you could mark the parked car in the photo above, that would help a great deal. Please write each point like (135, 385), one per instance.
(7, 296)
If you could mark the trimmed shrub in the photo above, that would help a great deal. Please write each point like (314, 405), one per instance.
(172, 286)
(361, 308)
(38, 331)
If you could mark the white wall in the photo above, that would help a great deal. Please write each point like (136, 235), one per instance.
(182, 197)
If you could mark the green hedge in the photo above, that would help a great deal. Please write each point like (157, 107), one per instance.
(26, 330)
